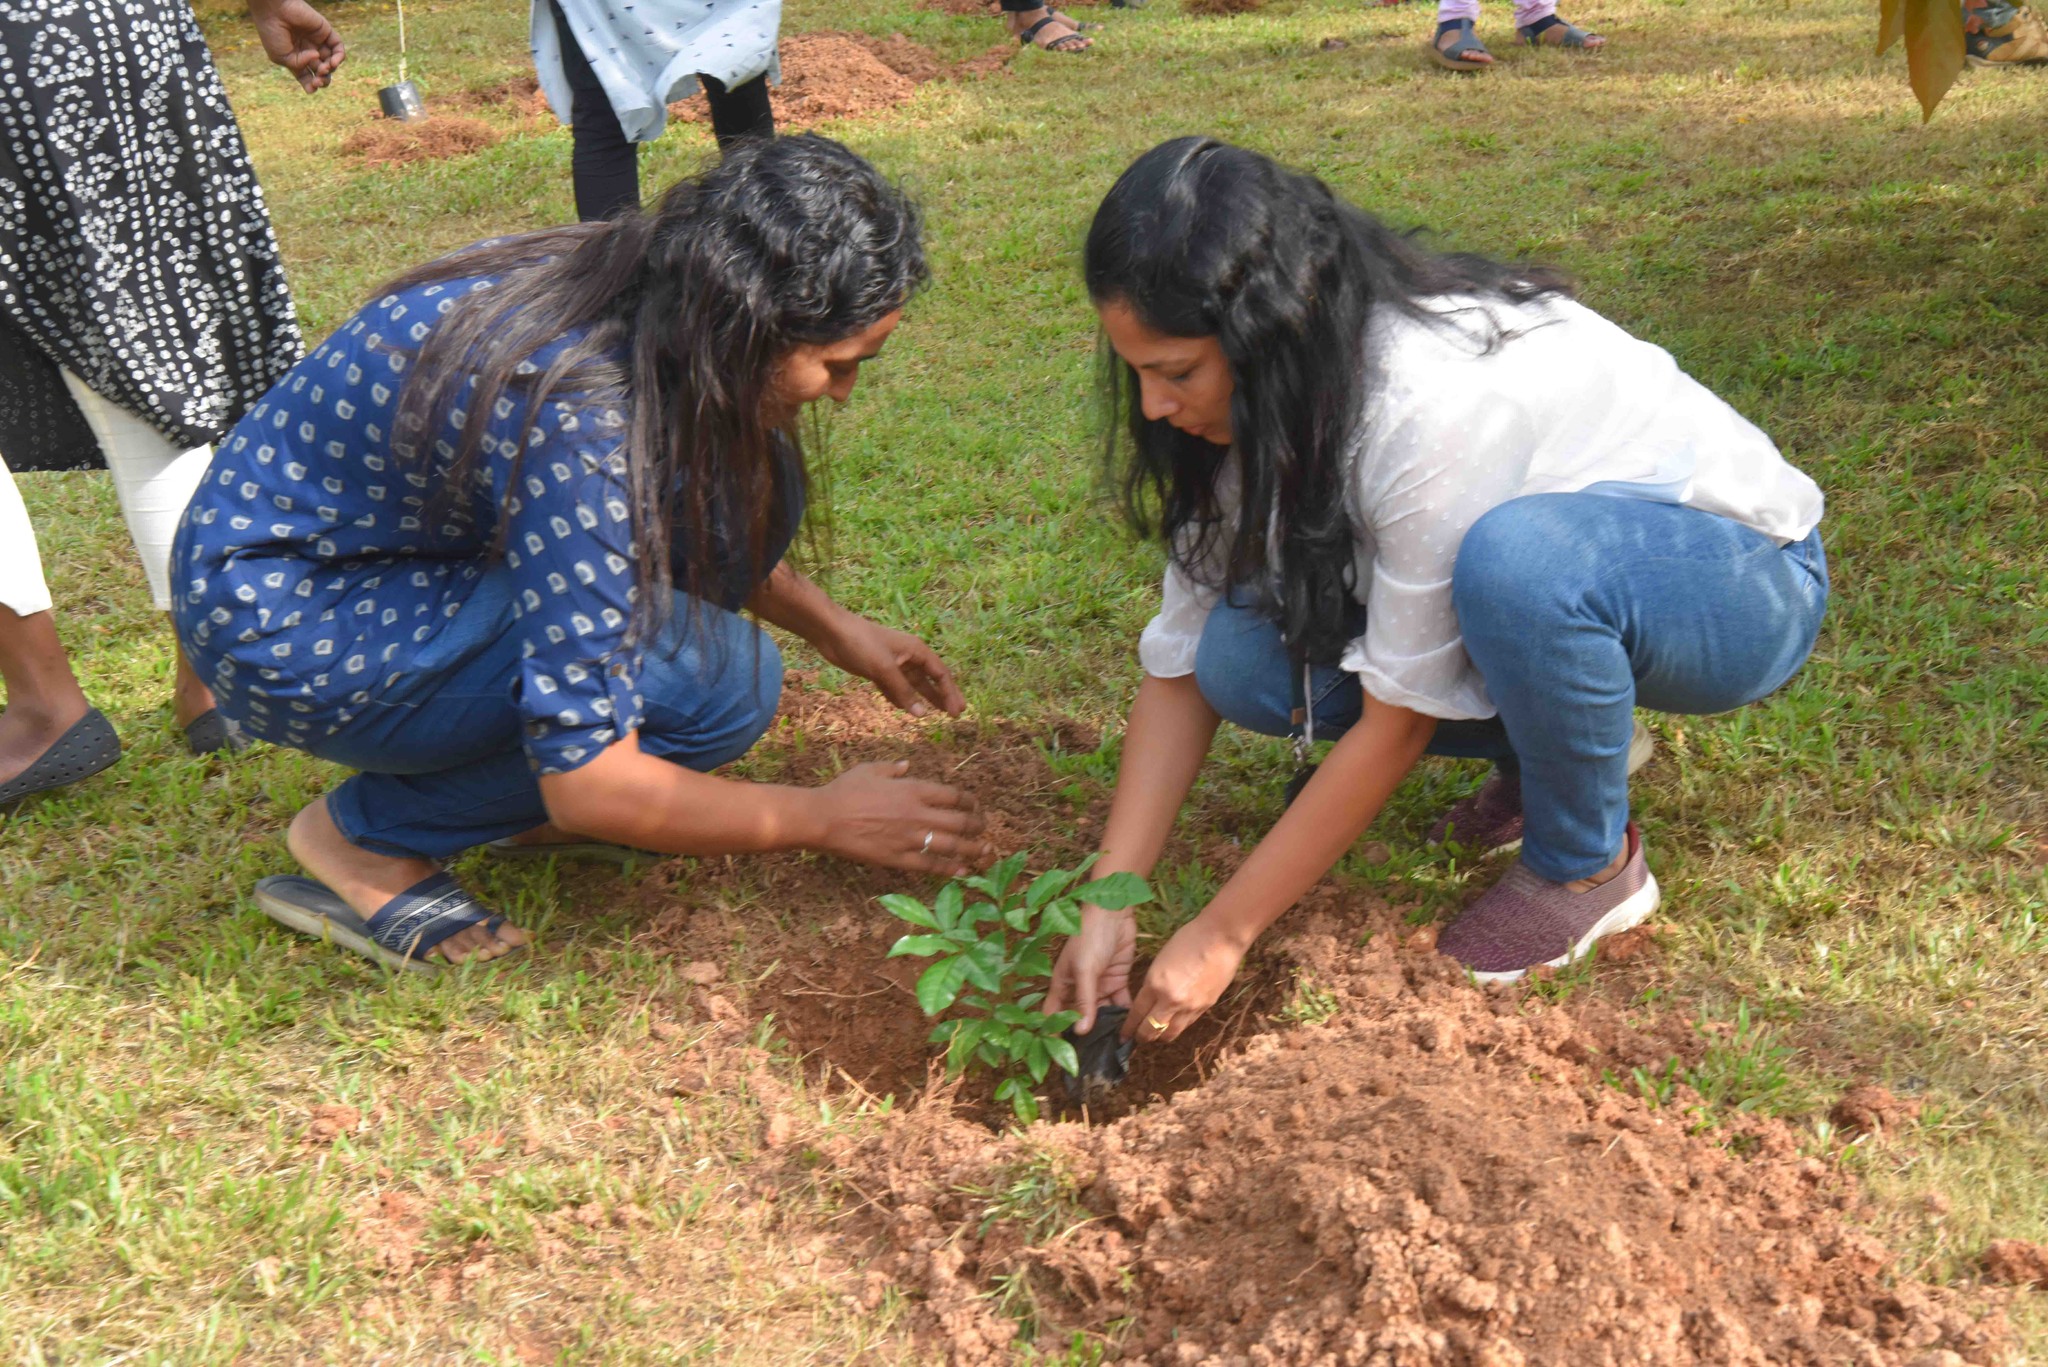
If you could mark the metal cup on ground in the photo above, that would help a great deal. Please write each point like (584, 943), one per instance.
(402, 102)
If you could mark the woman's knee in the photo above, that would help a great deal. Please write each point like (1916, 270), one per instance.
(711, 688)
(1517, 569)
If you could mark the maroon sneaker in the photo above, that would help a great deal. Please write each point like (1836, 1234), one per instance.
(1525, 922)
(1490, 820)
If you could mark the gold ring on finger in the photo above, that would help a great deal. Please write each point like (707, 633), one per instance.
(926, 848)
(1156, 1023)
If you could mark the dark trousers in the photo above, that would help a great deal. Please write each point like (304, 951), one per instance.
(604, 164)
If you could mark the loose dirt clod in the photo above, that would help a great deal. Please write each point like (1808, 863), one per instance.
(331, 1120)
(389, 142)
(2015, 1262)
(1869, 1109)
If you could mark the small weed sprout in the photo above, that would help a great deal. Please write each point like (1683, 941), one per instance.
(997, 946)
(1311, 1005)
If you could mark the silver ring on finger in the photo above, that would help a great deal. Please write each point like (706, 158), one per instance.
(926, 848)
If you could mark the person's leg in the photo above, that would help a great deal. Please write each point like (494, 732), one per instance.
(742, 111)
(153, 480)
(1577, 607)
(603, 162)
(1244, 670)
(443, 770)
(1455, 42)
(43, 697)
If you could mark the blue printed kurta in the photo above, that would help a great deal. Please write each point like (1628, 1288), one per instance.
(315, 566)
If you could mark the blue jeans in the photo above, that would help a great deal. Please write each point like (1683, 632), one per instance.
(1576, 609)
(443, 768)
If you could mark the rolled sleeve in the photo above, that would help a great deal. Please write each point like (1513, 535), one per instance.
(570, 550)
(1167, 647)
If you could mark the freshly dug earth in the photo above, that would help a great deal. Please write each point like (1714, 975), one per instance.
(1220, 7)
(391, 142)
(1436, 1176)
(848, 1010)
(842, 75)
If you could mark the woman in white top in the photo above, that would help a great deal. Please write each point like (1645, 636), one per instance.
(1413, 503)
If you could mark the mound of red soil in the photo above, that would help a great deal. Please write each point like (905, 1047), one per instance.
(843, 75)
(1870, 1109)
(2015, 1262)
(1435, 1177)
(518, 95)
(1220, 7)
(390, 142)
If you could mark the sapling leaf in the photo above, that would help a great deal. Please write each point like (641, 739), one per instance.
(944, 1031)
(920, 945)
(1014, 1091)
(1052, 883)
(1062, 918)
(909, 909)
(1010, 1013)
(1030, 999)
(1114, 893)
(1034, 963)
(1063, 1054)
(1005, 873)
(1018, 918)
(948, 906)
(962, 935)
(939, 984)
(959, 1052)
(1037, 1058)
(984, 962)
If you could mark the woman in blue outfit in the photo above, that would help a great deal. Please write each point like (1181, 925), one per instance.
(488, 542)
(1414, 503)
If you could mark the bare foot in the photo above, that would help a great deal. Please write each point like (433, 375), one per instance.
(367, 881)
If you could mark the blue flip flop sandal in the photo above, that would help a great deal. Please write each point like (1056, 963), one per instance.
(88, 747)
(398, 936)
(1572, 37)
(1457, 57)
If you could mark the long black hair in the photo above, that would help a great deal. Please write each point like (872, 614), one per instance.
(684, 312)
(1201, 239)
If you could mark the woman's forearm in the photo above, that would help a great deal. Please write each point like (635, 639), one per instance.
(1168, 737)
(1349, 788)
(631, 798)
(791, 601)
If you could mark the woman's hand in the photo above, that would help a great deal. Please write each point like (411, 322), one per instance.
(875, 814)
(299, 39)
(1183, 982)
(1094, 966)
(908, 671)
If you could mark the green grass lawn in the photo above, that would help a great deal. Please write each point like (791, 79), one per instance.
(1858, 865)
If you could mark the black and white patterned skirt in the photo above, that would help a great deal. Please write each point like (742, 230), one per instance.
(135, 249)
